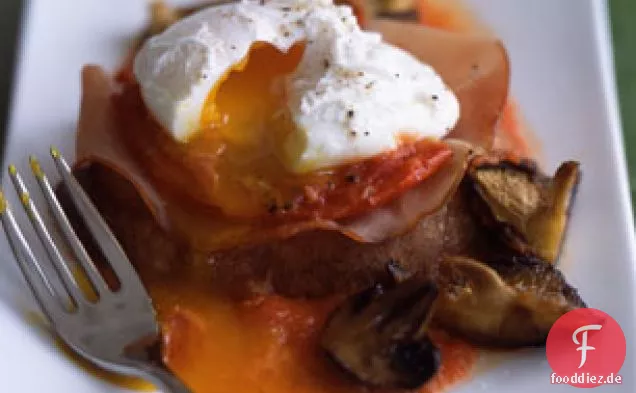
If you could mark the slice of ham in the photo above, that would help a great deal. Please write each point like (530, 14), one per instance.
(475, 68)
(403, 213)
(97, 141)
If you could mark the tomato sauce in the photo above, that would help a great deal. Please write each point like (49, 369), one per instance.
(265, 344)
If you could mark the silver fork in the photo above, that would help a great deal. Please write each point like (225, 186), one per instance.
(118, 330)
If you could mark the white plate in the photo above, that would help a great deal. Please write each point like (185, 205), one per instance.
(562, 77)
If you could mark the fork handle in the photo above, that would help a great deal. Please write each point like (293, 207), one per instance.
(163, 379)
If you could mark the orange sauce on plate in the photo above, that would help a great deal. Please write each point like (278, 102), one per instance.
(38, 321)
(265, 344)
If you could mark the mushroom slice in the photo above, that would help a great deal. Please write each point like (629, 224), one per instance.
(511, 303)
(380, 335)
(528, 209)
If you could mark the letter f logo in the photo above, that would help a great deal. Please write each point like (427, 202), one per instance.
(584, 347)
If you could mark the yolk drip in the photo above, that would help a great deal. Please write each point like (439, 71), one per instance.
(243, 125)
(234, 162)
(267, 345)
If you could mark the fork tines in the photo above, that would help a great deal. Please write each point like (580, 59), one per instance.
(34, 270)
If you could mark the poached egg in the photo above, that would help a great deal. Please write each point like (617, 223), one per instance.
(297, 80)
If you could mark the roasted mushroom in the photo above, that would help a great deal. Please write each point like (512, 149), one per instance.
(511, 303)
(380, 335)
(528, 210)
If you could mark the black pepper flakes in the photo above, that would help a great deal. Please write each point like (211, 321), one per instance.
(397, 75)
(369, 85)
(326, 63)
(286, 9)
(300, 23)
(435, 97)
(366, 133)
(353, 133)
(352, 178)
(233, 47)
(351, 113)
(286, 34)
(360, 73)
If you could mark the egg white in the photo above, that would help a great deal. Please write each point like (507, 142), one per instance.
(351, 97)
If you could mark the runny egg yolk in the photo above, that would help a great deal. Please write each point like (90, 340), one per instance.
(238, 162)
(243, 125)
